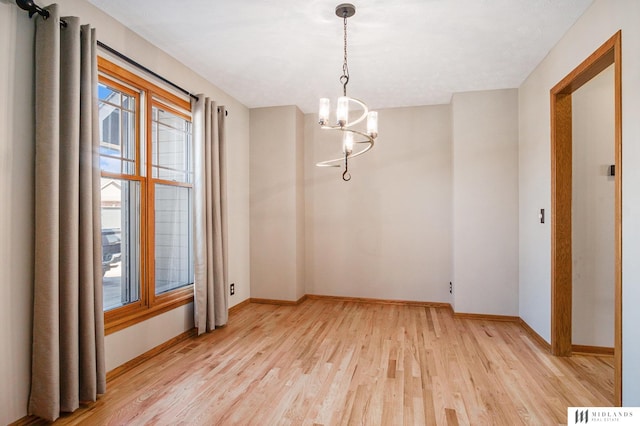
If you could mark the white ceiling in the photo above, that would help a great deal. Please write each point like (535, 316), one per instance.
(401, 52)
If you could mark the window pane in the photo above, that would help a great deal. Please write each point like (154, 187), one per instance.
(171, 142)
(128, 142)
(173, 239)
(117, 130)
(106, 94)
(128, 102)
(120, 242)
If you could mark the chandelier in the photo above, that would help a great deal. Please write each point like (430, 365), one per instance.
(342, 122)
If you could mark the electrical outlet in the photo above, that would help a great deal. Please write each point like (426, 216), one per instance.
(232, 289)
(450, 288)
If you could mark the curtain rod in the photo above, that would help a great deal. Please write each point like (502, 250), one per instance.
(32, 8)
(143, 68)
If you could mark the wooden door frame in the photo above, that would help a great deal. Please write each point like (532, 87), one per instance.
(561, 188)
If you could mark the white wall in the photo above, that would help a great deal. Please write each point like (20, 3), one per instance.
(16, 211)
(593, 212)
(485, 202)
(146, 335)
(277, 243)
(598, 24)
(386, 233)
(17, 189)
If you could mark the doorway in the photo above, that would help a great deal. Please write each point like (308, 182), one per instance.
(561, 200)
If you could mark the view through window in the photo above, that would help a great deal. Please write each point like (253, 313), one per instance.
(146, 160)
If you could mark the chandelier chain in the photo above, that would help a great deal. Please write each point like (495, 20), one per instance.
(344, 79)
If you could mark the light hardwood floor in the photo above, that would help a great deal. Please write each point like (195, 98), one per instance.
(325, 362)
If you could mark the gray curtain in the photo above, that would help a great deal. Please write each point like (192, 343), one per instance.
(210, 221)
(68, 323)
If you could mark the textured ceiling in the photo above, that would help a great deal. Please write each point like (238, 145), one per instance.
(401, 52)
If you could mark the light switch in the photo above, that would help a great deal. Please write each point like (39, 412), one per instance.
(541, 215)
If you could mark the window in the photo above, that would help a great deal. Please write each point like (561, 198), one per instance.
(146, 161)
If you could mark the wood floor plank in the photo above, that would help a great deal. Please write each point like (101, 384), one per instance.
(333, 362)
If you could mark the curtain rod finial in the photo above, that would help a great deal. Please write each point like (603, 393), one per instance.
(32, 8)
(27, 5)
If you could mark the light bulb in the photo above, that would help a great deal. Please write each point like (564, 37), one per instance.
(323, 111)
(347, 142)
(342, 113)
(372, 124)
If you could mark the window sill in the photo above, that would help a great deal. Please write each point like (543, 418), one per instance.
(113, 324)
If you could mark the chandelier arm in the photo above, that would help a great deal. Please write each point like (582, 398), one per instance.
(337, 162)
